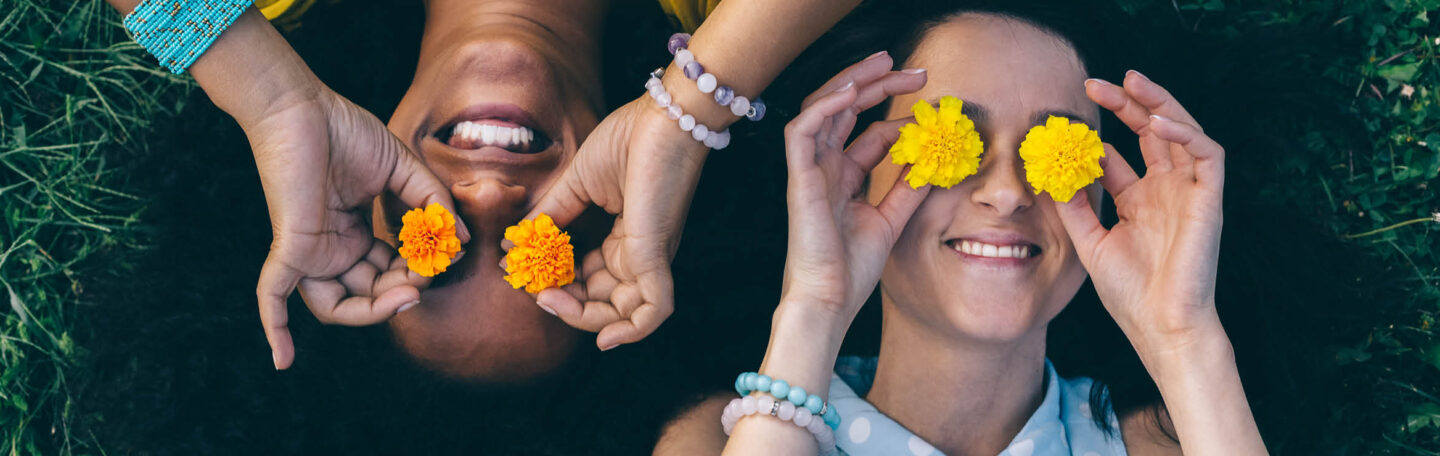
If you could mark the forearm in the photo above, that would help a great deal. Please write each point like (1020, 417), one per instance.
(802, 352)
(745, 44)
(250, 70)
(1200, 384)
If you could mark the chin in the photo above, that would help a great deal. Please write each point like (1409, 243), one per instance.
(996, 319)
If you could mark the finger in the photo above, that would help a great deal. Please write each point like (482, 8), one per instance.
(801, 132)
(640, 324)
(626, 298)
(861, 73)
(1118, 175)
(890, 84)
(564, 201)
(1208, 155)
(871, 146)
(277, 281)
(871, 94)
(1082, 225)
(899, 204)
(416, 186)
(1116, 100)
(331, 304)
(1155, 98)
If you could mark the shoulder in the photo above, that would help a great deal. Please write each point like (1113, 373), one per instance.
(1148, 431)
(695, 430)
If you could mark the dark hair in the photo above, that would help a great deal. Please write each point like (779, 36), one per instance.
(1255, 75)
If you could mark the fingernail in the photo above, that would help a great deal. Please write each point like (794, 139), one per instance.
(275, 358)
(845, 87)
(1097, 81)
(608, 347)
(877, 54)
(1137, 73)
(545, 307)
(407, 306)
(502, 263)
(1160, 117)
(913, 71)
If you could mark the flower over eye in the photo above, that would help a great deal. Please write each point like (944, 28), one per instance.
(542, 256)
(942, 146)
(427, 239)
(1061, 157)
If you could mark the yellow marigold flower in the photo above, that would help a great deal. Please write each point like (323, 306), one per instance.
(427, 239)
(542, 256)
(1061, 157)
(943, 146)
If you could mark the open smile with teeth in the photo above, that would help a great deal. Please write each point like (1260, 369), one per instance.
(1020, 251)
(477, 134)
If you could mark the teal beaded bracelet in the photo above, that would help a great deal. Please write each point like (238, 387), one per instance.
(177, 32)
(751, 382)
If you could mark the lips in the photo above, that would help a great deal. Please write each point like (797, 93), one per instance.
(999, 247)
(504, 126)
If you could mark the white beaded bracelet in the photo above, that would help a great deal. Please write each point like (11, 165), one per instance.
(785, 411)
(656, 89)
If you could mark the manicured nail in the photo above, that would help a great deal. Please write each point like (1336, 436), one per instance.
(608, 347)
(1098, 81)
(407, 306)
(1137, 73)
(913, 71)
(845, 87)
(877, 54)
(545, 307)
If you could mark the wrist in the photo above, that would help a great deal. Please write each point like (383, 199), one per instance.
(803, 347)
(251, 72)
(1178, 356)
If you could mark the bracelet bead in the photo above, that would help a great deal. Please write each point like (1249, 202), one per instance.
(779, 388)
(740, 106)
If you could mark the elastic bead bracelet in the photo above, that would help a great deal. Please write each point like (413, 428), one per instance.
(656, 89)
(751, 382)
(785, 411)
(177, 32)
(706, 82)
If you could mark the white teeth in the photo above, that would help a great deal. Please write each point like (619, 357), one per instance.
(494, 135)
(992, 251)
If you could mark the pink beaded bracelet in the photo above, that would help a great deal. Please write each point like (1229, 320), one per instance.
(785, 411)
(656, 89)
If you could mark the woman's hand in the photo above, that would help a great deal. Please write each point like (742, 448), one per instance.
(838, 241)
(640, 166)
(322, 160)
(1155, 269)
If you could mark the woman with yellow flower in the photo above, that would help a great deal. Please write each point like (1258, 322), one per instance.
(971, 275)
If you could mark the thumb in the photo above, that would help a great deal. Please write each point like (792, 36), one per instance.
(1082, 225)
(567, 197)
(416, 186)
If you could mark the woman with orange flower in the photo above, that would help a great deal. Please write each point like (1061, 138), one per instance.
(970, 276)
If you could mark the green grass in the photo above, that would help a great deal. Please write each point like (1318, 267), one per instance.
(78, 99)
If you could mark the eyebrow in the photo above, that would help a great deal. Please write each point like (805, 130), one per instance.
(979, 114)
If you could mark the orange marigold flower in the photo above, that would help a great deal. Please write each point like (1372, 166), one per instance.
(542, 256)
(427, 239)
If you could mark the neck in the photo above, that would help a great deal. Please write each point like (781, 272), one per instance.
(965, 396)
(571, 29)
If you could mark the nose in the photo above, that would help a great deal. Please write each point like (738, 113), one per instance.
(1000, 183)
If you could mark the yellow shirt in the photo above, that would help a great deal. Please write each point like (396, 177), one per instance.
(689, 13)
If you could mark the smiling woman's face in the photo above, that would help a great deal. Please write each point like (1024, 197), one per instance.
(950, 270)
(496, 109)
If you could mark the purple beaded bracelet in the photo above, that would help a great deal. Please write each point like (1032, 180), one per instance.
(766, 404)
(656, 89)
(706, 82)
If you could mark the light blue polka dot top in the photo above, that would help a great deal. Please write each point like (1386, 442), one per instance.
(1062, 425)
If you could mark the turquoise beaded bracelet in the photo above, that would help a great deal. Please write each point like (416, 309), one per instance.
(751, 382)
(177, 32)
